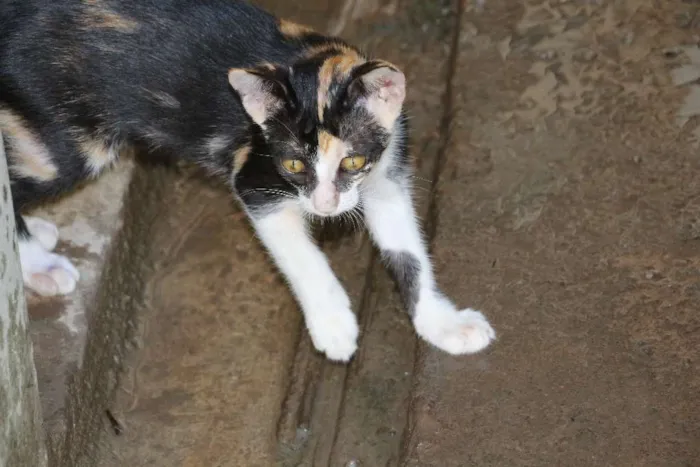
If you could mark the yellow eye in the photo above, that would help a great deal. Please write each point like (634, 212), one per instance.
(353, 163)
(294, 166)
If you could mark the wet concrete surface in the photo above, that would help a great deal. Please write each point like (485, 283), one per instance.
(560, 197)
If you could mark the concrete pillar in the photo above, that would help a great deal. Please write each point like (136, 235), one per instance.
(21, 432)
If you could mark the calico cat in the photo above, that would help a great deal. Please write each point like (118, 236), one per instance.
(299, 125)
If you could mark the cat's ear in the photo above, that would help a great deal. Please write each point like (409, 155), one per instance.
(384, 90)
(259, 94)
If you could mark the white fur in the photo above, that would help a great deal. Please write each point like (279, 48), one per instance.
(326, 200)
(347, 200)
(45, 232)
(99, 156)
(389, 92)
(44, 272)
(256, 99)
(438, 321)
(326, 306)
(393, 225)
(392, 222)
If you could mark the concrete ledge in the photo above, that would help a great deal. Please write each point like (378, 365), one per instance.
(21, 434)
(112, 317)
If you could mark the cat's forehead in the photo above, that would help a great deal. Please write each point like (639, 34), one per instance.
(324, 115)
(320, 79)
(333, 75)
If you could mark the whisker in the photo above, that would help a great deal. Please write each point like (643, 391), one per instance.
(354, 218)
(421, 178)
(427, 190)
(291, 133)
(267, 190)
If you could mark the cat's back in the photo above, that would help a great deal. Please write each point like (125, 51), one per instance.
(140, 33)
(96, 57)
(99, 65)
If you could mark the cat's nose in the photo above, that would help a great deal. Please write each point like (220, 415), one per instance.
(325, 199)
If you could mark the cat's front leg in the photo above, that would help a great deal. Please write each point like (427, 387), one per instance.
(392, 222)
(326, 306)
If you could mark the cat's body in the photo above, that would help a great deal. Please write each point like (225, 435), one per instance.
(298, 124)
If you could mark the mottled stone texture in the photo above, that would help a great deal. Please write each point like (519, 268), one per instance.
(111, 314)
(21, 435)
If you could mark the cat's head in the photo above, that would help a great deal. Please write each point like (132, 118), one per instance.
(326, 121)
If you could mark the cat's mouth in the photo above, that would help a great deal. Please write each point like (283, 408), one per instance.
(337, 206)
(325, 215)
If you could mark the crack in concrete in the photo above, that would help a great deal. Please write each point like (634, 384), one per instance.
(433, 214)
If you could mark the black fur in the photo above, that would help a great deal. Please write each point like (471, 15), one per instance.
(152, 74)
(405, 268)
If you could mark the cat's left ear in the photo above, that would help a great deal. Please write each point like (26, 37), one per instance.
(384, 90)
(260, 95)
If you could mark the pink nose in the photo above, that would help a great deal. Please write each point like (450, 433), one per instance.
(325, 201)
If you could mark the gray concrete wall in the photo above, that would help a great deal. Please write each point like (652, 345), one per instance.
(21, 433)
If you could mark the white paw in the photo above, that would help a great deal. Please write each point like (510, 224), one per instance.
(333, 328)
(44, 272)
(44, 231)
(455, 332)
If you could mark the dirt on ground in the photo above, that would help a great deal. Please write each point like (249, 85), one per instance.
(558, 176)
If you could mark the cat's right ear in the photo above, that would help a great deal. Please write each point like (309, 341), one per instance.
(382, 88)
(258, 93)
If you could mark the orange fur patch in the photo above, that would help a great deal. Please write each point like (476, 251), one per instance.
(30, 158)
(330, 148)
(325, 140)
(240, 157)
(99, 155)
(337, 47)
(336, 67)
(291, 29)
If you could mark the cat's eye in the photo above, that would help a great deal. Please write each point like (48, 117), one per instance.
(293, 166)
(353, 163)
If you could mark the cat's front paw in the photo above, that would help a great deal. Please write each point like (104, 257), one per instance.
(43, 231)
(46, 273)
(334, 331)
(456, 332)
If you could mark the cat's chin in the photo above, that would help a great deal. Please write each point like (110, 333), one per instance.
(334, 215)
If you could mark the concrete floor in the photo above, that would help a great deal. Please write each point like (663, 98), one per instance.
(558, 179)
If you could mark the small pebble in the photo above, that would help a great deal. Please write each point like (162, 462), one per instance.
(629, 38)
(547, 55)
(585, 55)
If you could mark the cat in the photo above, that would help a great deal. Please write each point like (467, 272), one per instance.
(299, 125)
